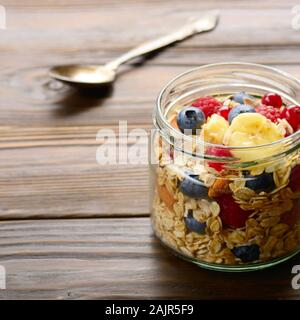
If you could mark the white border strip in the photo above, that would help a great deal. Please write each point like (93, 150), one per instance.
(2, 278)
(2, 18)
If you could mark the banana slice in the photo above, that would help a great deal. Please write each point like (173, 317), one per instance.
(252, 129)
(214, 129)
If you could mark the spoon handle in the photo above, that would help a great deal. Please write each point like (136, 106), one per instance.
(206, 23)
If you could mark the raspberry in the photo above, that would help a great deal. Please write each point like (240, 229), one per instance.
(291, 217)
(231, 214)
(208, 105)
(272, 99)
(218, 152)
(292, 116)
(223, 112)
(269, 112)
(294, 183)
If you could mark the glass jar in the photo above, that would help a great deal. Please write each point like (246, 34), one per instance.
(193, 203)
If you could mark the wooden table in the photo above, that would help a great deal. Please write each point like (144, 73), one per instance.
(73, 229)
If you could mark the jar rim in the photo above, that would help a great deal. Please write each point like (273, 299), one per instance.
(158, 111)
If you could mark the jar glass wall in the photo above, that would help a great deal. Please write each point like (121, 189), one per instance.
(195, 192)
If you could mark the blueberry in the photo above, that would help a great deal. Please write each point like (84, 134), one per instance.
(263, 182)
(192, 187)
(241, 108)
(247, 253)
(241, 96)
(194, 225)
(190, 118)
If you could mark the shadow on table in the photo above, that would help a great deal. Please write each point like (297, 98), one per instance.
(187, 281)
(77, 100)
(80, 100)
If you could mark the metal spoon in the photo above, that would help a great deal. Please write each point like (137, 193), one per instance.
(96, 75)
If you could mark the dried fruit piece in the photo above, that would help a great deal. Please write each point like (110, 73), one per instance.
(174, 124)
(220, 187)
(165, 196)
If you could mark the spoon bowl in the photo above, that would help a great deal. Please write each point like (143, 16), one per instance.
(83, 75)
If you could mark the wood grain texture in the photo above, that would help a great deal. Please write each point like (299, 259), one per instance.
(48, 132)
(48, 146)
(49, 168)
(117, 258)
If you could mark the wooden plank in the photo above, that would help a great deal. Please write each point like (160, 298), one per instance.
(119, 259)
(25, 94)
(65, 180)
(47, 132)
(100, 35)
(240, 26)
(143, 20)
(32, 105)
(48, 165)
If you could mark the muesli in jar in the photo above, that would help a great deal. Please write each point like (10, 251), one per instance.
(238, 205)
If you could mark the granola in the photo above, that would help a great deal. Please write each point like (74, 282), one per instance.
(200, 223)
